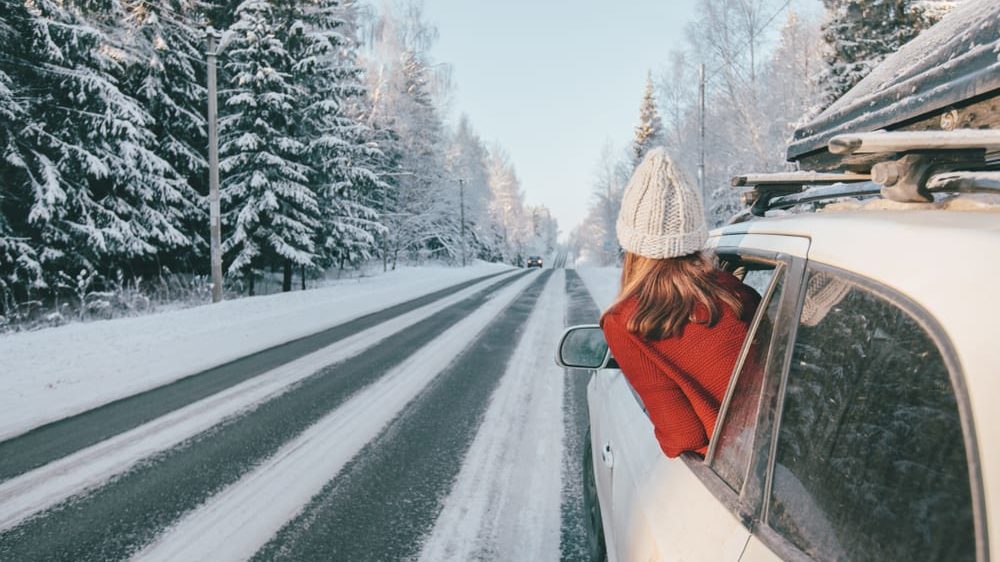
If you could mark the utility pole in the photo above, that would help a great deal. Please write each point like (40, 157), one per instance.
(461, 196)
(215, 214)
(701, 143)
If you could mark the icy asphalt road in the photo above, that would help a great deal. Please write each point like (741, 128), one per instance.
(437, 429)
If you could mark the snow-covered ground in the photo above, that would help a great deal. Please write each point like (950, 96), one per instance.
(51, 374)
(602, 282)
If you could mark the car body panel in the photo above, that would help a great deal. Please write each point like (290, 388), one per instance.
(659, 509)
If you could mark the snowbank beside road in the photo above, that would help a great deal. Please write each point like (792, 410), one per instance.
(50, 374)
(602, 282)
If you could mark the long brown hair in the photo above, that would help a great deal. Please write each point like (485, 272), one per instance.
(668, 292)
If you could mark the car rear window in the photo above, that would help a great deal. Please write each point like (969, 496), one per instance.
(870, 461)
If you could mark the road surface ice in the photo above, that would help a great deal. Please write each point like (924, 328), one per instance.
(505, 502)
(42, 488)
(238, 521)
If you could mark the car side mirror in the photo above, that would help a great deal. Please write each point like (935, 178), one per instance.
(584, 347)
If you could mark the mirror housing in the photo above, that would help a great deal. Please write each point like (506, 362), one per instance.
(584, 347)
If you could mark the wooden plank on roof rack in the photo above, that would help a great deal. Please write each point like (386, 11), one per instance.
(903, 141)
(795, 178)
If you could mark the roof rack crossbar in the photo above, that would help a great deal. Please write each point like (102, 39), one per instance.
(904, 141)
(794, 179)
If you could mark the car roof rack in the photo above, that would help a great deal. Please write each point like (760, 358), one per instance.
(767, 196)
(903, 166)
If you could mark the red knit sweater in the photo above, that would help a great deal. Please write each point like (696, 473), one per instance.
(682, 380)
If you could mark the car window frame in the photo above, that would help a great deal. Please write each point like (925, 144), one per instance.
(746, 504)
(779, 269)
(774, 540)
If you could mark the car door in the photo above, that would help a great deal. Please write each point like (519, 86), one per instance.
(663, 509)
(600, 393)
(871, 456)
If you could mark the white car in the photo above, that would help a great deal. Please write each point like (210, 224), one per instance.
(870, 433)
(868, 429)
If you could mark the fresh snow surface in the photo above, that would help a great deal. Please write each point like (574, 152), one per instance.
(505, 503)
(30, 493)
(51, 374)
(238, 521)
(602, 282)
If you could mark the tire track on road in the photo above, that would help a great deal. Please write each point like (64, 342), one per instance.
(58, 439)
(412, 464)
(505, 502)
(573, 542)
(117, 519)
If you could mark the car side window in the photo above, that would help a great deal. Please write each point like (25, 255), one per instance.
(870, 461)
(734, 441)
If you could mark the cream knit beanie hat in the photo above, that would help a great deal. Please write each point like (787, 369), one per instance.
(661, 214)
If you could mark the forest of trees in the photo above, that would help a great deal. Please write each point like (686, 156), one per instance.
(335, 150)
(768, 69)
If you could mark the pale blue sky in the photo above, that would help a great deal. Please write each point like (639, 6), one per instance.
(554, 80)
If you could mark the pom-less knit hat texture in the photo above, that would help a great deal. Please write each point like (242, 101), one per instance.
(661, 214)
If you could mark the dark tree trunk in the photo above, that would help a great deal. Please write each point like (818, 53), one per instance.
(250, 281)
(286, 278)
(302, 276)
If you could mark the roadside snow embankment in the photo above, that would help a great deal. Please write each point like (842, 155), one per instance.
(51, 374)
(602, 282)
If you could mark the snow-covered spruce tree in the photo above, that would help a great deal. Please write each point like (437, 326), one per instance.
(860, 33)
(338, 147)
(649, 132)
(268, 203)
(167, 75)
(19, 267)
(98, 195)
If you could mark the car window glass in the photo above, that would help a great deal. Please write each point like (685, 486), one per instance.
(759, 279)
(870, 461)
(735, 439)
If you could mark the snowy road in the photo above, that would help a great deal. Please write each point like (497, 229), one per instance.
(435, 429)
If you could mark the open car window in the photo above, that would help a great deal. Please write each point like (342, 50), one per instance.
(732, 444)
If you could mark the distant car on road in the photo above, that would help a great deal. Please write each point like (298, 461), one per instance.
(534, 261)
(860, 421)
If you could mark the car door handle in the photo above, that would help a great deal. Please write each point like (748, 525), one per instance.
(607, 456)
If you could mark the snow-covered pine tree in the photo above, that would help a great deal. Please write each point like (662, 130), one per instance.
(339, 150)
(649, 132)
(100, 198)
(167, 76)
(860, 33)
(268, 203)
